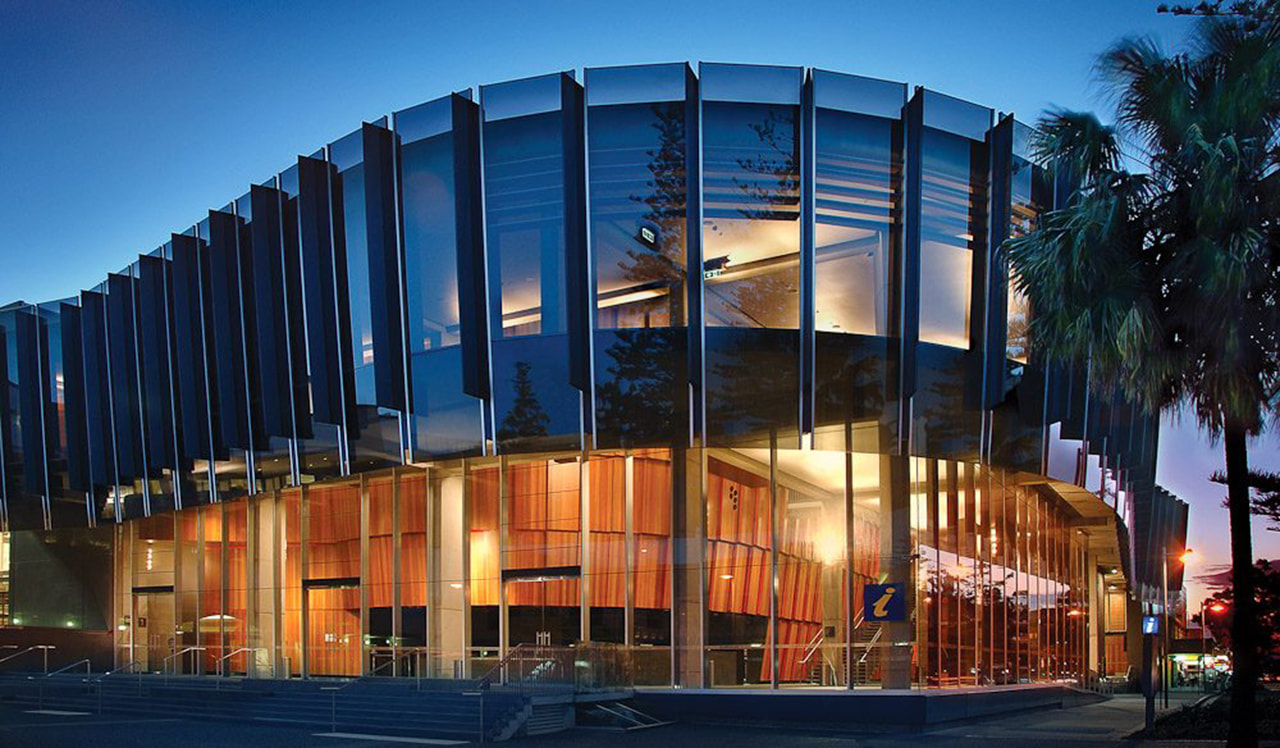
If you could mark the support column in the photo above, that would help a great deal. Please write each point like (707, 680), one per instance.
(850, 526)
(250, 582)
(396, 585)
(504, 520)
(584, 548)
(449, 571)
(629, 553)
(364, 573)
(774, 548)
(688, 583)
(898, 565)
(1095, 637)
(304, 538)
(264, 582)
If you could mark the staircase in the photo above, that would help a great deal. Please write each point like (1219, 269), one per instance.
(458, 710)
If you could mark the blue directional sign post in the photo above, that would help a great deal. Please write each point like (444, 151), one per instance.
(1150, 628)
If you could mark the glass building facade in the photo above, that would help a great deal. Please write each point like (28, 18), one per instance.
(719, 365)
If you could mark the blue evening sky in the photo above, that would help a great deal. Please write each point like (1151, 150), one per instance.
(123, 121)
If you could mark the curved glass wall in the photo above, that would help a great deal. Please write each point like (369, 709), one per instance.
(638, 149)
(857, 237)
(603, 437)
(953, 241)
(534, 406)
(374, 434)
(446, 421)
(751, 252)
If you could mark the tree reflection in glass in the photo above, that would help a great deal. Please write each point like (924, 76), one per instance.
(638, 182)
(752, 187)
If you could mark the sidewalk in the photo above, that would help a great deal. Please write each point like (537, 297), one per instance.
(1105, 723)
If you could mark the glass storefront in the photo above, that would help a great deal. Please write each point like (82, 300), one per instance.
(443, 569)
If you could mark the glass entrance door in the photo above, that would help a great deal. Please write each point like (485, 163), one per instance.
(154, 634)
(331, 629)
(544, 612)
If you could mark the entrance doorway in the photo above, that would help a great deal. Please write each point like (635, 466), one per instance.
(154, 633)
(543, 611)
(331, 627)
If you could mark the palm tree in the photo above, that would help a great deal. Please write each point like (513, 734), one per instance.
(1168, 282)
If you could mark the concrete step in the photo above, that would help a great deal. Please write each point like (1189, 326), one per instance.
(368, 707)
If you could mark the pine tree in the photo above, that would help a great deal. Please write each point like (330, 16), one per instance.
(526, 417)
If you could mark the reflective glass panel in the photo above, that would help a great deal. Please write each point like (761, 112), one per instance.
(751, 270)
(376, 434)
(638, 219)
(952, 222)
(858, 178)
(534, 405)
(445, 420)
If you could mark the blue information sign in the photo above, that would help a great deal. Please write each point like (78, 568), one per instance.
(884, 602)
(1151, 624)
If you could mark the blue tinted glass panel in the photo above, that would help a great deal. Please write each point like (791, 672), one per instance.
(445, 421)
(751, 270)
(750, 83)
(751, 215)
(521, 98)
(858, 95)
(534, 405)
(317, 442)
(23, 450)
(375, 436)
(266, 351)
(638, 184)
(122, 337)
(101, 438)
(64, 415)
(858, 166)
(952, 223)
(857, 197)
(636, 84)
(956, 116)
(1030, 196)
(953, 232)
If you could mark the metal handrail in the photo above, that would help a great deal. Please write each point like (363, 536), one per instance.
(487, 678)
(164, 666)
(120, 669)
(874, 638)
(813, 646)
(97, 682)
(233, 653)
(333, 701)
(401, 654)
(32, 648)
(88, 669)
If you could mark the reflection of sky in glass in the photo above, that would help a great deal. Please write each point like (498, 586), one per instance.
(948, 202)
(855, 194)
(524, 184)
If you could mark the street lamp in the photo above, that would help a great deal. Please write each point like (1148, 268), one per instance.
(1217, 607)
(1184, 558)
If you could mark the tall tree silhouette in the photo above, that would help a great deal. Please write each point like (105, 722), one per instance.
(638, 402)
(666, 210)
